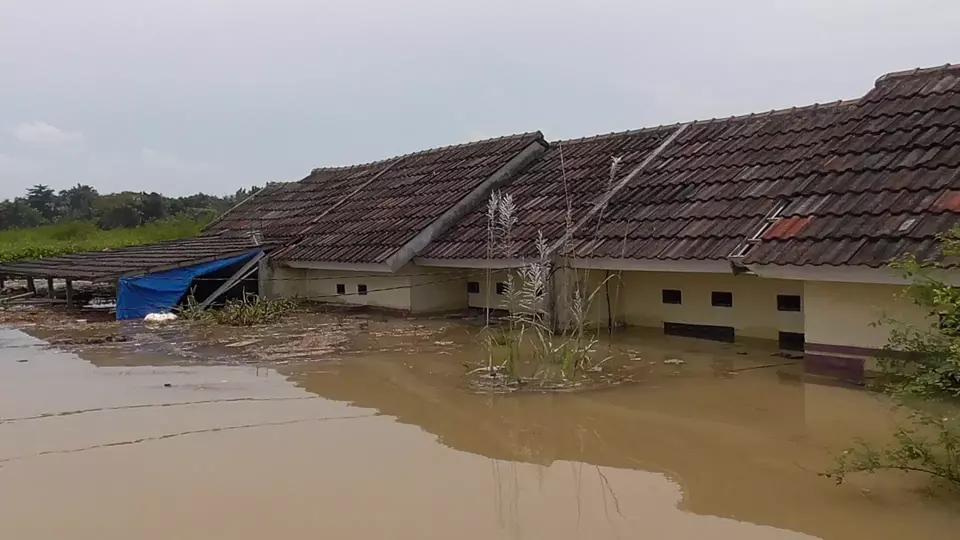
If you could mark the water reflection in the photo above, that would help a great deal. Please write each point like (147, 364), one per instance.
(614, 463)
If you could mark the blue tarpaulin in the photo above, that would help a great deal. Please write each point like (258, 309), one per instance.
(160, 293)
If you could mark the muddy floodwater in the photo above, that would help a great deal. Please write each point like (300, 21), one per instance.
(364, 428)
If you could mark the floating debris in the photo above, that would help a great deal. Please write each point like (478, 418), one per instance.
(160, 318)
(244, 343)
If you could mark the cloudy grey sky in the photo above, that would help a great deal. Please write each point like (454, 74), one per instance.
(181, 96)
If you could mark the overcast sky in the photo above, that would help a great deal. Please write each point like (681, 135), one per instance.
(181, 96)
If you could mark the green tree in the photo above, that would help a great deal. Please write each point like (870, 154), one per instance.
(43, 199)
(154, 207)
(79, 202)
(17, 214)
(120, 210)
(921, 369)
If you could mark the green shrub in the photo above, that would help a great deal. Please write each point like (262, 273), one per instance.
(247, 311)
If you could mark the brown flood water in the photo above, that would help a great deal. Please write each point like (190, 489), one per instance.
(361, 429)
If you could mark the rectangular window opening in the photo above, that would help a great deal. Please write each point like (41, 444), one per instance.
(792, 341)
(789, 302)
(501, 288)
(362, 290)
(725, 334)
(721, 299)
(341, 288)
(473, 287)
(672, 296)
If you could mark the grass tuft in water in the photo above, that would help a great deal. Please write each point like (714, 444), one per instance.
(526, 350)
(250, 310)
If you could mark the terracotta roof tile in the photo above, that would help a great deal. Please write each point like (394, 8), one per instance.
(851, 175)
(365, 213)
(575, 170)
(380, 218)
(855, 182)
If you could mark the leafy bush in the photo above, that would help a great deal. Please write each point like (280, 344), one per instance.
(922, 374)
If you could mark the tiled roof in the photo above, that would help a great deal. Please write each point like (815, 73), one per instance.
(855, 183)
(409, 194)
(576, 170)
(287, 210)
(113, 263)
(712, 188)
(849, 183)
(888, 184)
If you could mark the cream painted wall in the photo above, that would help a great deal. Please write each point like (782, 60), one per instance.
(754, 312)
(439, 289)
(481, 299)
(843, 313)
(636, 300)
(387, 290)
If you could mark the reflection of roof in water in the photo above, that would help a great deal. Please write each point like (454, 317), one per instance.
(745, 447)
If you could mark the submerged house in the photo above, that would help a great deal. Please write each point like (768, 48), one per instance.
(350, 234)
(775, 226)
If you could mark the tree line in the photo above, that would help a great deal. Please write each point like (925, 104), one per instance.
(41, 205)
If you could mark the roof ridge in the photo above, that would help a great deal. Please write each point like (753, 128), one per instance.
(516, 136)
(906, 74)
(750, 116)
(613, 134)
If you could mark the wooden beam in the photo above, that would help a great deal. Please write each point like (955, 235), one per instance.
(69, 293)
(247, 269)
(50, 293)
(31, 286)
(16, 297)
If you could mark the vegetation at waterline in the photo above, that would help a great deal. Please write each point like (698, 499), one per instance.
(250, 310)
(45, 223)
(922, 375)
(528, 350)
(77, 236)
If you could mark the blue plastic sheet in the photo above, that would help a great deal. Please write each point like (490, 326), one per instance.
(137, 297)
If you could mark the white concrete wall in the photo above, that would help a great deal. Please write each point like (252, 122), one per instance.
(844, 313)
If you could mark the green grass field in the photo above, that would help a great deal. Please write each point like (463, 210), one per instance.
(78, 236)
